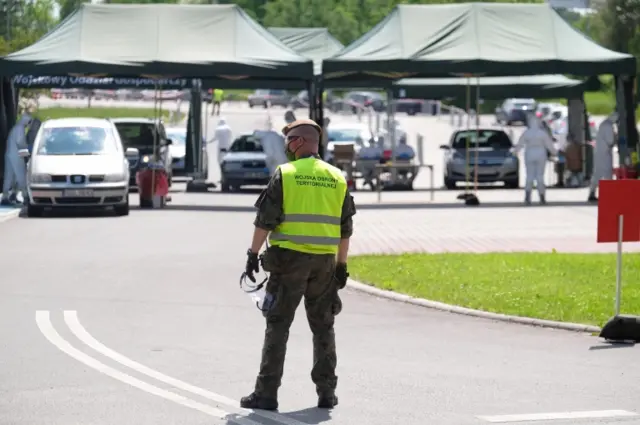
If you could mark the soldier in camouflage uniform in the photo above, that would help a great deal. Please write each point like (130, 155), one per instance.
(295, 275)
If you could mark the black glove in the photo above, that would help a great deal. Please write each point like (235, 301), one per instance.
(340, 275)
(253, 265)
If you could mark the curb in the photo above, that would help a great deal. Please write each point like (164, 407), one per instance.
(394, 296)
(6, 216)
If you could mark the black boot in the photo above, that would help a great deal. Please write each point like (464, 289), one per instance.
(592, 197)
(543, 200)
(527, 198)
(327, 401)
(254, 401)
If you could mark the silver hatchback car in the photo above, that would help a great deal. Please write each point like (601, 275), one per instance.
(492, 149)
(78, 162)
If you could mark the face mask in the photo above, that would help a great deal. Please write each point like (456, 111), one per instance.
(291, 155)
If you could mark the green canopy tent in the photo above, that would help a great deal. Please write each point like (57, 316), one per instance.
(313, 43)
(540, 86)
(161, 40)
(194, 41)
(485, 39)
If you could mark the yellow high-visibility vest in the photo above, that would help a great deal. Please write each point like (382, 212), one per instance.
(313, 193)
(217, 95)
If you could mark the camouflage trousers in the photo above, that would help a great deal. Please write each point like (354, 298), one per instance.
(294, 276)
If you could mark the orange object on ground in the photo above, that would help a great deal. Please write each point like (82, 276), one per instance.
(161, 185)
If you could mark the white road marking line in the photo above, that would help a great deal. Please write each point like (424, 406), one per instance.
(558, 416)
(71, 317)
(46, 327)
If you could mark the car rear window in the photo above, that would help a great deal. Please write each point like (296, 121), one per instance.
(523, 105)
(136, 134)
(246, 144)
(494, 139)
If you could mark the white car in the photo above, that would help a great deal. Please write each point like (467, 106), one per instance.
(78, 162)
(556, 115)
(178, 151)
(355, 134)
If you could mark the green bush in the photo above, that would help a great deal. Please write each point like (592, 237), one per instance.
(58, 112)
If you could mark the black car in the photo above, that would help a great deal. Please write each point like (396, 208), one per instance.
(356, 99)
(410, 106)
(515, 110)
(139, 133)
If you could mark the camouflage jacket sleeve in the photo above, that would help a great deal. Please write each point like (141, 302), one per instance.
(346, 221)
(269, 204)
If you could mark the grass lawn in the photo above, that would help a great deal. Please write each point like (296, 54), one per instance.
(57, 112)
(577, 288)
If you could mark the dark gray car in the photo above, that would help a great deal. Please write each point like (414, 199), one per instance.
(264, 97)
(244, 164)
(495, 162)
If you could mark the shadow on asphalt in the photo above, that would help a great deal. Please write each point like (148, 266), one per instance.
(460, 204)
(211, 208)
(608, 346)
(311, 415)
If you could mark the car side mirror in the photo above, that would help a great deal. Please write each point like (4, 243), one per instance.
(132, 153)
(445, 147)
(24, 153)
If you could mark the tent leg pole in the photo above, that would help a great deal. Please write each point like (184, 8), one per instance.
(619, 265)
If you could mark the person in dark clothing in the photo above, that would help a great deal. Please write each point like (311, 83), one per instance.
(306, 211)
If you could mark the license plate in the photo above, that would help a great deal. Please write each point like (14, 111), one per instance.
(79, 193)
(255, 175)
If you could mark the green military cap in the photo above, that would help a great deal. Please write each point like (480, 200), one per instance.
(297, 123)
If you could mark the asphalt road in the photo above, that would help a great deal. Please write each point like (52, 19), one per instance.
(161, 288)
(139, 320)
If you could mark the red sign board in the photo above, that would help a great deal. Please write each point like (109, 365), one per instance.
(618, 198)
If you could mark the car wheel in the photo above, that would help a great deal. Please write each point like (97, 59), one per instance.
(509, 123)
(225, 187)
(250, 105)
(122, 210)
(265, 105)
(34, 211)
(449, 184)
(411, 112)
(512, 184)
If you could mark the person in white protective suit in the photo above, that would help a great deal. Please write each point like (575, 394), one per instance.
(273, 145)
(224, 136)
(603, 154)
(14, 166)
(538, 145)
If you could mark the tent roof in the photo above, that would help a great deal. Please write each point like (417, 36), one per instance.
(492, 39)
(543, 86)
(313, 43)
(217, 41)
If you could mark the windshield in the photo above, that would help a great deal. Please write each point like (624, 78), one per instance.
(76, 141)
(246, 144)
(136, 134)
(177, 137)
(345, 135)
(494, 139)
(523, 105)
